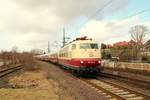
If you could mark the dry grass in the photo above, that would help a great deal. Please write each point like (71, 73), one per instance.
(26, 94)
(26, 79)
(30, 86)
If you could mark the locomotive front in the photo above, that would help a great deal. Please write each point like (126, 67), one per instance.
(86, 56)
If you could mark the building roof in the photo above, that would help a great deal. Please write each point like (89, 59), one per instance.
(124, 43)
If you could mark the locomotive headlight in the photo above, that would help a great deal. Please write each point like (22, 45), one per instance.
(99, 61)
(81, 62)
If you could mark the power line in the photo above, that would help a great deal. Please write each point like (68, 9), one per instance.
(99, 10)
(106, 5)
(135, 14)
(145, 18)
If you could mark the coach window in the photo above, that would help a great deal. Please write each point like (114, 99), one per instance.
(73, 46)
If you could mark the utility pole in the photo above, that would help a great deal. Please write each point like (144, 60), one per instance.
(48, 47)
(64, 37)
(64, 41)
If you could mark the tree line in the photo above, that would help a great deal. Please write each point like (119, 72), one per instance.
(132, 51)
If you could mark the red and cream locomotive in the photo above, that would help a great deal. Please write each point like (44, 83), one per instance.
(82, 56)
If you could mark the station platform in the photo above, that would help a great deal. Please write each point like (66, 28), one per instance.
(137, 71)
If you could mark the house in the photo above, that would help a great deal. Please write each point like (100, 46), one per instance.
(147, 45)
(124, 43)
(146, 48)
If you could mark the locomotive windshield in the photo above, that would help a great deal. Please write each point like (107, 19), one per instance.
(88, 46)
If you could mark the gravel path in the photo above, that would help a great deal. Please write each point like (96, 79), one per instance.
(69, 88)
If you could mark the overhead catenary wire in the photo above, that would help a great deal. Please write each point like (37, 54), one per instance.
(145, 18)
(101, 9)
(137, 13)
(127, 17)
(98, 11)
(106, 5)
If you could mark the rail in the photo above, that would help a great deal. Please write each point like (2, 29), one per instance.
(113, 91)
(125, 79)
(7, 71)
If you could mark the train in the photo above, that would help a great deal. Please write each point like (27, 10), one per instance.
(81, 56)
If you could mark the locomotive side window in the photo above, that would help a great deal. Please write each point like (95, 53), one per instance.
(73, 46)
(88, 46)
(84, 46)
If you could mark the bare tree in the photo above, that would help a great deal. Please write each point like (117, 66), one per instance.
(138, 34)
(14, 49)
(36, 51)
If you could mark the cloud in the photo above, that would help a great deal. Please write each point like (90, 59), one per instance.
(113, 31)
(31, 23)
(69, 9)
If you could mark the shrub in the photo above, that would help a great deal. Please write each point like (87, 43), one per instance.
(28, 61)
(146, 59)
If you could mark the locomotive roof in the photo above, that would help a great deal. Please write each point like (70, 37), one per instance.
(81, 40)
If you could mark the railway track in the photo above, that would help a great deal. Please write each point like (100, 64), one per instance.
(7, 71)
(125, 79)
(110, 90)
(113, 91)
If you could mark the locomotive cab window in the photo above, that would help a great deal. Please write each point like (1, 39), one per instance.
(88, 46)
(73, 46)
(94, 46)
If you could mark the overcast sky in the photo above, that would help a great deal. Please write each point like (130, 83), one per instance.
(30, 24)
